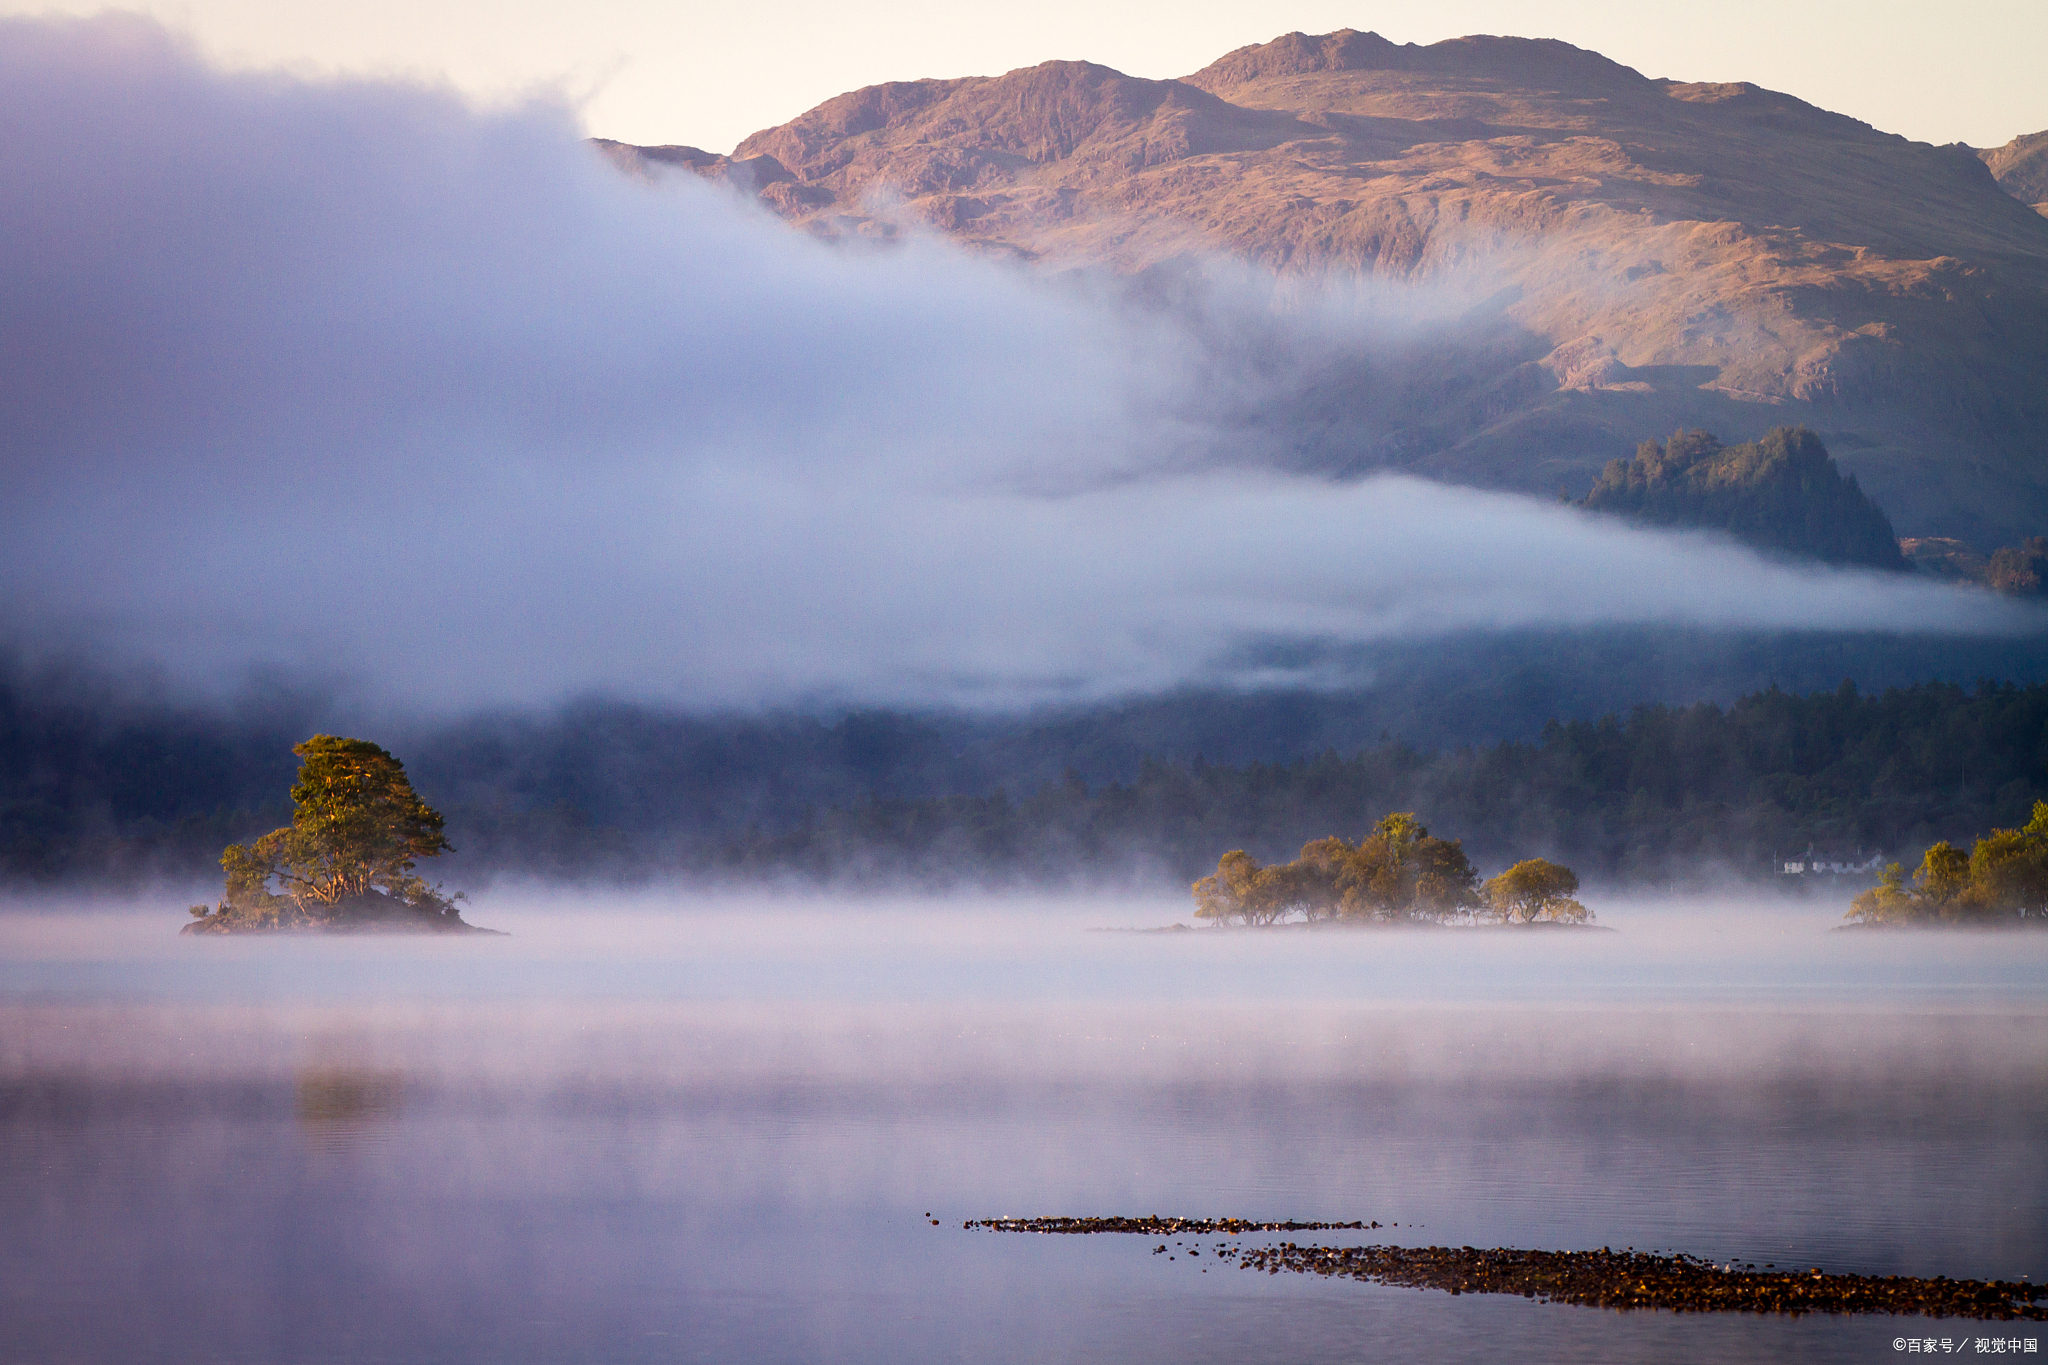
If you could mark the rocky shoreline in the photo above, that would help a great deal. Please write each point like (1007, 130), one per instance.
(369, 913)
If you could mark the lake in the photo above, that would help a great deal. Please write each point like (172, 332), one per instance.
(671, 1127)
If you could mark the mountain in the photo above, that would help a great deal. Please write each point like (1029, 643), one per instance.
(1782, 493)
(1655, 254)
(2021, 169)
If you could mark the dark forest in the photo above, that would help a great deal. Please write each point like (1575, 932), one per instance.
(1523, 751)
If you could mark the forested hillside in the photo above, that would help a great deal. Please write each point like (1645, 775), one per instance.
(96, 786)
(1781, 493)
(1659, 794)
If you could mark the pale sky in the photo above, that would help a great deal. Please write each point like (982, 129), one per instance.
(655, 71)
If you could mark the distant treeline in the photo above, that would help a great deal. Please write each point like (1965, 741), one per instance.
(1660, 793)
(100, 782)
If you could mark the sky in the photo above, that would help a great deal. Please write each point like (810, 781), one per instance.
(708, 75)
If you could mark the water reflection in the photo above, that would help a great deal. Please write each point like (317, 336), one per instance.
(343, 1111)
(532, 1174)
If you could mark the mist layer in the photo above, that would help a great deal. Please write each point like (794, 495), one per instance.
(356, 377)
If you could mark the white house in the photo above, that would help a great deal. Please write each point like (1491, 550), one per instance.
(1811, 862)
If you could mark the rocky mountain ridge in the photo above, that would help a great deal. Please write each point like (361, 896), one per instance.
(1782, 494)
(2021, 169)
(1656, 254)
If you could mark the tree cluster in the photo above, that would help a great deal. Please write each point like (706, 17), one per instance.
(2002, 879)
(1398, 873)
(1782, 493)
(2020, 570)
(358, 830)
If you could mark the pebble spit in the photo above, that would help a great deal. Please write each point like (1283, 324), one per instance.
(1603, 1279)
(1636, 1279)
(1155, 1226)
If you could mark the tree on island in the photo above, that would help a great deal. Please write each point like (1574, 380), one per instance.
(358, 830)
(1536, 890)
(1399, 873)
(1240, 889)
(2001, 880)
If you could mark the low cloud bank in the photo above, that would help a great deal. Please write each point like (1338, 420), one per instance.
(353, 377)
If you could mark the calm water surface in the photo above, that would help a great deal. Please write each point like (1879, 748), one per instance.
(720, 1130)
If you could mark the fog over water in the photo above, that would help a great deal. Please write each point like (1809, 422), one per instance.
(722, 947)
(354, 378)
(676, 1127)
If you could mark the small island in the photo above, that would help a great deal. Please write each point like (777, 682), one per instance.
(346, 862)
(1398, 873)
(2002, 882)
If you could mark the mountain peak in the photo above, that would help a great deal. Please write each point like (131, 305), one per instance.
(1542, 60)
(1669, 254)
